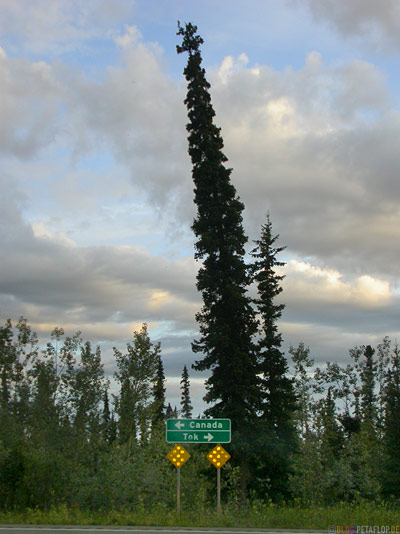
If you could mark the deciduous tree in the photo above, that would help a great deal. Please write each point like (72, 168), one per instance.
(136, 374)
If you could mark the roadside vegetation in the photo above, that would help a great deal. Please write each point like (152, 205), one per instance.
(294, 516)
(68, 454)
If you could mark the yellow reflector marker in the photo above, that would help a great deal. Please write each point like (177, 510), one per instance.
(178, 456)
(218, 456)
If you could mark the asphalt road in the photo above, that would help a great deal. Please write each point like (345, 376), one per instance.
(31, 529)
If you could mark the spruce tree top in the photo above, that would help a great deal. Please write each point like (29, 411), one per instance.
(219, 209)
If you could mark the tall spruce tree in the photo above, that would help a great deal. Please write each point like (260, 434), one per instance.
(159, 394)
(277, 400)
(226, 320)
(186, 405)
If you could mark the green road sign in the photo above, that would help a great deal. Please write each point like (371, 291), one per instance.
(198, 431)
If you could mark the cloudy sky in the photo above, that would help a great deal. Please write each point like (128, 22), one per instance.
(96, 198)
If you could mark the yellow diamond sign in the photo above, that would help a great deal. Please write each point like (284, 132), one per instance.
(218, 456)
(178, 456)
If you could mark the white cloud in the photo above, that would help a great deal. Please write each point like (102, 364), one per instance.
(131, 36)
(45, 274)
(316, 147)
(377, 23)
(29, 108)
(42, 232)
(52, 28)
(313, 285)
(319, 143)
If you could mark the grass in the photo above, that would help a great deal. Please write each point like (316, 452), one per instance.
(295, 516)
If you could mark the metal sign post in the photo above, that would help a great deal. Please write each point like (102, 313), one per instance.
(178, 456)
(178, 490)
(218, 457)
(218, 491)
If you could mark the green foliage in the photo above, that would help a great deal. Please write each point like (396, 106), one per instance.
(59, 458)
(302, 364)
(186, 405)
(136, 374)
(159, 395)
(299, 515)
(275, 440)
(226, 320)
(87, 390)
(391, 435)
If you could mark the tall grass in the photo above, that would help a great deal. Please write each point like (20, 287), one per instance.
(261, 515)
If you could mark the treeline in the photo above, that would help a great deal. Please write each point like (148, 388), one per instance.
(65, 439)
(348, 425)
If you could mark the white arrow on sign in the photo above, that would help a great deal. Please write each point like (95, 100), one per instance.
(209, 437)
(179, 425)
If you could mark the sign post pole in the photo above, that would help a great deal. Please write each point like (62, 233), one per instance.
(178, 456)
(178, 490)
(219, 491)
(218, 457)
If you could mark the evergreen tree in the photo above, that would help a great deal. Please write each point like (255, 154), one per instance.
(109, 425)
(371, 450)
(331, 435)
(106, 417)
(113, 430)
(226, 321)
(186, 405)
(391, 438)
(368, 396)
(169, 412)
(159, 394)
(277, 401)
(88, 389)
